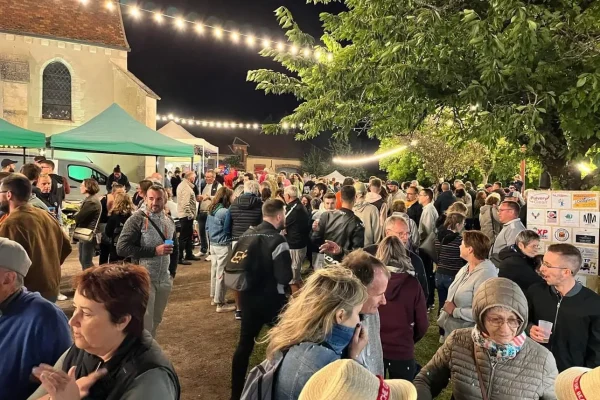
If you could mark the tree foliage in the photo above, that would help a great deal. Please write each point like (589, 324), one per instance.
(316, 162)
(528, 72)
(319, 162)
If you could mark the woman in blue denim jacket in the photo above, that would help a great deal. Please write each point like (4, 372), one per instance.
(319, 326)
(218, 226)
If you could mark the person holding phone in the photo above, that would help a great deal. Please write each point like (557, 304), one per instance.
(319, 326)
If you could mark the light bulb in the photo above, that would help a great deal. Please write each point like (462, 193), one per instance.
(294, 50)
(280, 46)
(199, 28)
(109, 5)
(266, 43)
(158, 18)
(219, 124)
(255, 126)
(177, 120)
(306, 52)
(180, 23)
(135, 12)
(211, 123)
(84, 2)
(233, 125)
(329, 57)
(293, 126)
(317, 54)
(235, 37)
(285, 125)
(157, 117)
(164, 118)
(197, 122)
(226, 125)
(250, 40)
(170, 116)
(247, 126)
(218, 32)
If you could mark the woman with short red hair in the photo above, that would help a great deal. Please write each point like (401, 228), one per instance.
(113, 356)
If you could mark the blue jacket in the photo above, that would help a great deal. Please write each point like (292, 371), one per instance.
(302, 361)
(32, 331)
(218, 226)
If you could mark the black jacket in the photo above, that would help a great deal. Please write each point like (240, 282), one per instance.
(415, 211)
(416, 262)
(297, 225)
(246, 211)
(89, 213)
(123, 180)
(175, 181)
(342, 227)
(517, 267)
(443, 201)
(270, 268)
(575, 339)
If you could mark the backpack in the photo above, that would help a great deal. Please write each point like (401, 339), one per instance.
(260, 383)
(237, 269)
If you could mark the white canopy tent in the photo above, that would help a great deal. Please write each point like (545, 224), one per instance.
(335, 174)
(201, 146)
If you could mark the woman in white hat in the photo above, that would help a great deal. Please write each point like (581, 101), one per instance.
(495, 360)
(319, 325)
(348, 380)
(578, 383)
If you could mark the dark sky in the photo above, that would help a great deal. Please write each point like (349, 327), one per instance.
(201, 77)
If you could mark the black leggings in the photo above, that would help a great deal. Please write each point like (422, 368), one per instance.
(400, 369)
(258, 310)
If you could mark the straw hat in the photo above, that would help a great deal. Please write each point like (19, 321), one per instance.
(347, 380)
(565, 386)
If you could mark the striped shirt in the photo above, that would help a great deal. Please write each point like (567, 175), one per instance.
(447, 247)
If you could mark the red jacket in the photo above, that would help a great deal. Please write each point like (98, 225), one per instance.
(404, 318)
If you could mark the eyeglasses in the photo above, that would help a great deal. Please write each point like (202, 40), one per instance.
(4, 191)
(498, 322)
(546, 265)
(401, 234)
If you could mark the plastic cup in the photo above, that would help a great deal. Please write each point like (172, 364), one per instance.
(546, 327)
(169, 242)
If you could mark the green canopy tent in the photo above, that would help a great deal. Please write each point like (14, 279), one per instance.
(114, 131)
(12, 135)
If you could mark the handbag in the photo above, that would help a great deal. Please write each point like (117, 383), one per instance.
(86, 234)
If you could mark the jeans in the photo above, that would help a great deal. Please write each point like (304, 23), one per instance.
(86, 253)
(157, 302)
(442, 284)
(428, 265)
(400, 369)
(259, 310)
(202, 216)
(185, 238)
(218, 261)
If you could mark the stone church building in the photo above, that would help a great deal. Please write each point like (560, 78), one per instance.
(64, 62)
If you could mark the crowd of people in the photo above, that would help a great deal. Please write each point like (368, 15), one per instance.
(343, 273)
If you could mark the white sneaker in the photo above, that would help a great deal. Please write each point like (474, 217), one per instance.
(212, 303)
(199, 254)
(222, 308)
(209, 258)
(62, 297)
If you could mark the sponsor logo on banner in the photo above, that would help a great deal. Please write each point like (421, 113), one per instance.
(585, 236)
(551, 217)
(589, 219)
(589, 266)
(562, 235)
(535, 216)
(585, 200)
(543, 231)
(539, 200)
(568, 218)
(561, 200)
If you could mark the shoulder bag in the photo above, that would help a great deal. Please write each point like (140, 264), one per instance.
(484, 395)
(86, 234)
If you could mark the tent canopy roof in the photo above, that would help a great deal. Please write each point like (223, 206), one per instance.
(178, 132)
(12, 135)
(115, 131)
(335, 174)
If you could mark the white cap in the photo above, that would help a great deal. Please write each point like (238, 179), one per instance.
(14, 257)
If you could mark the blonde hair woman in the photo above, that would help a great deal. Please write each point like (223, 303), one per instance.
(122, 209)
(318, 325)
(273, 185)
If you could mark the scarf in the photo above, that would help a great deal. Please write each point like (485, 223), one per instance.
(340, 337)
(500, 352)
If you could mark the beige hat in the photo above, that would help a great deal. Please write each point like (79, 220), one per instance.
(14, 257)
(348, 380)
(577, 383)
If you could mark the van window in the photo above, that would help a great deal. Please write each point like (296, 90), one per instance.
(80, 172)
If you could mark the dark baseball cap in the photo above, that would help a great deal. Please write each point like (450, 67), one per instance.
(6, 162)
(394, 183)
(39, 158)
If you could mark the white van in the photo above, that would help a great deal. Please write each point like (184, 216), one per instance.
(75, 171)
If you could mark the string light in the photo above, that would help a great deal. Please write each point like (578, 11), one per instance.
(218, 32)
(368, 159)
(213, 124)
(84, 2)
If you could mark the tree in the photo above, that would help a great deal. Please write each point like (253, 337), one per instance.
(316, 162)
(528, 72)
(234, 161)
(343, 148)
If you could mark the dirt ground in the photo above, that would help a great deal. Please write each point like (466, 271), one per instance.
(198, 341)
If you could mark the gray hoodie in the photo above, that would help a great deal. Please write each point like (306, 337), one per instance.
(139, 240)
(369, 215)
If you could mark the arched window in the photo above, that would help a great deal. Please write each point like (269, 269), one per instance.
(56, 92)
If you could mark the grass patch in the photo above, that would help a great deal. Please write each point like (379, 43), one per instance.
(424, 350)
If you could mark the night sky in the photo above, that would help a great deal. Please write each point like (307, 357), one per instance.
(204, 78)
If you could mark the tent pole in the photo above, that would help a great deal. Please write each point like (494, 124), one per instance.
(156, 164)
(203, 155)
(24, 156)
(52, 154)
